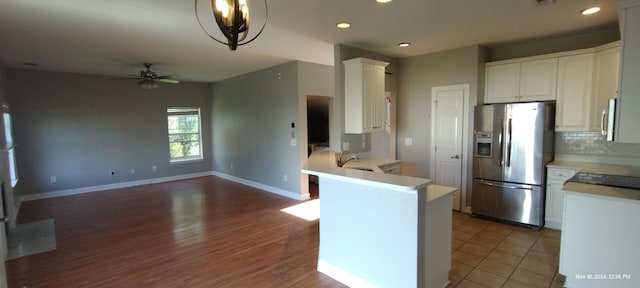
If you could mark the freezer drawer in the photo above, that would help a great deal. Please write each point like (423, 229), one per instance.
(507, 201)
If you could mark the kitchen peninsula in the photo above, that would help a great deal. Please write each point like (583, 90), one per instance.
(381, 230)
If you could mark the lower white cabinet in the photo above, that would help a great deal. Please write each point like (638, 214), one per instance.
(556, 177)
(599, 243)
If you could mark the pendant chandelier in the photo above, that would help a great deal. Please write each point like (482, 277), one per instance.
(232, 17)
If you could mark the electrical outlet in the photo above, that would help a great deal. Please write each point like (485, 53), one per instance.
(113, 173)
(133, 170)
(231, 166)
(345, 146)
(408, 141)
(285, 178)
(154, 168)
(53, 179)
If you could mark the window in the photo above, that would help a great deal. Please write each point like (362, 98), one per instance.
(185, 142)
(10, 149)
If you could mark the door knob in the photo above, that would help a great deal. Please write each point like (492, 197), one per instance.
(455, 157)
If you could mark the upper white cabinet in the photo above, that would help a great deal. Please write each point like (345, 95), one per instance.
(606, 76)
(521, 81)
(627, 116)
(574, 92)
(364, 95)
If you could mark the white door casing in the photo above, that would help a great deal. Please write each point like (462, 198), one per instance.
(448, 139)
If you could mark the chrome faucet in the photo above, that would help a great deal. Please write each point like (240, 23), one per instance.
(342, 162)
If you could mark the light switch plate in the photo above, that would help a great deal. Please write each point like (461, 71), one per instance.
(408, 141)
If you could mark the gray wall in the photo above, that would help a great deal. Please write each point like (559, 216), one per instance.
(341, 53)
(554, 44)
(418, 75)
(79, 127)
(251, 122)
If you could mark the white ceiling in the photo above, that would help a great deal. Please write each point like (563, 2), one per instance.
(113, 37)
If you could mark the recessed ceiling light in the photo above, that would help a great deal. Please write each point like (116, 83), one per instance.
(343, 25)
(404, 44)
(383, 1)
(590, 11)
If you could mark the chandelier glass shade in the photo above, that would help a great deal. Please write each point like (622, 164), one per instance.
(232, 17)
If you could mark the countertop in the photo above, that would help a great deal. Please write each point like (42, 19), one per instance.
(596, 168)
(322, 163)
(373, 164)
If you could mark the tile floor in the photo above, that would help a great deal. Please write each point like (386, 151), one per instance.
(492, 254)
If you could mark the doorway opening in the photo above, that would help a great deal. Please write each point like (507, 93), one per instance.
(318, 131)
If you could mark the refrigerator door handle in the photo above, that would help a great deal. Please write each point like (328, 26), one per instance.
(506, 186)
(509, 128)
(501, 144)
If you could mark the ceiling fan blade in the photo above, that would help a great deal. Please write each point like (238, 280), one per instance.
(126, 78)
(168, 79)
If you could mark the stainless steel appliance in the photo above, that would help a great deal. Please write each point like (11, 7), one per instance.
(512, 145)
(608, 121)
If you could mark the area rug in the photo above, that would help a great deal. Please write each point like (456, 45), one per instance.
(31, 238)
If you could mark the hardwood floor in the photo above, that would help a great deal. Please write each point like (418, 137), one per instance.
(203, 232)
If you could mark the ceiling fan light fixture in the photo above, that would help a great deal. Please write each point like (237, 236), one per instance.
(232, 17)
(148, 84)
(591, 10)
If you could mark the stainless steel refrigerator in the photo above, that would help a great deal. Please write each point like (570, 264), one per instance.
(512, 145)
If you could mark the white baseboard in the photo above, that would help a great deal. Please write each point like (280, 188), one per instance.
(553, 225)
(261, 186)
(90, 189)
(342, 276)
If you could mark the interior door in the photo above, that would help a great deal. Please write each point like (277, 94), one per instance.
(3, 239)
(447, 134)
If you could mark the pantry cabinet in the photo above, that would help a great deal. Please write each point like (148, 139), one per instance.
(628, 117)
(521, 81)
(573, 104)
(364, 95)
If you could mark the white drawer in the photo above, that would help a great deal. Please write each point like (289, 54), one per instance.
(559, 175)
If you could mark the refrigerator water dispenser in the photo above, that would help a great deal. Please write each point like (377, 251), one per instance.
(483, 144)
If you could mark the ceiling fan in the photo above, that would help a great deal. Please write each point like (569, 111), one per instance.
(150, 80)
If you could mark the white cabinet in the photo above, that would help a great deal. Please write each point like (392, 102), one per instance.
(574, 92)
(628, 117)
(599, 243)
(364, 95)
(606, 75)
(521, 81)
(555, 196)
(503, 83)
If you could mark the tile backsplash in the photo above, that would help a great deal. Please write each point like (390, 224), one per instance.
(593, 144)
